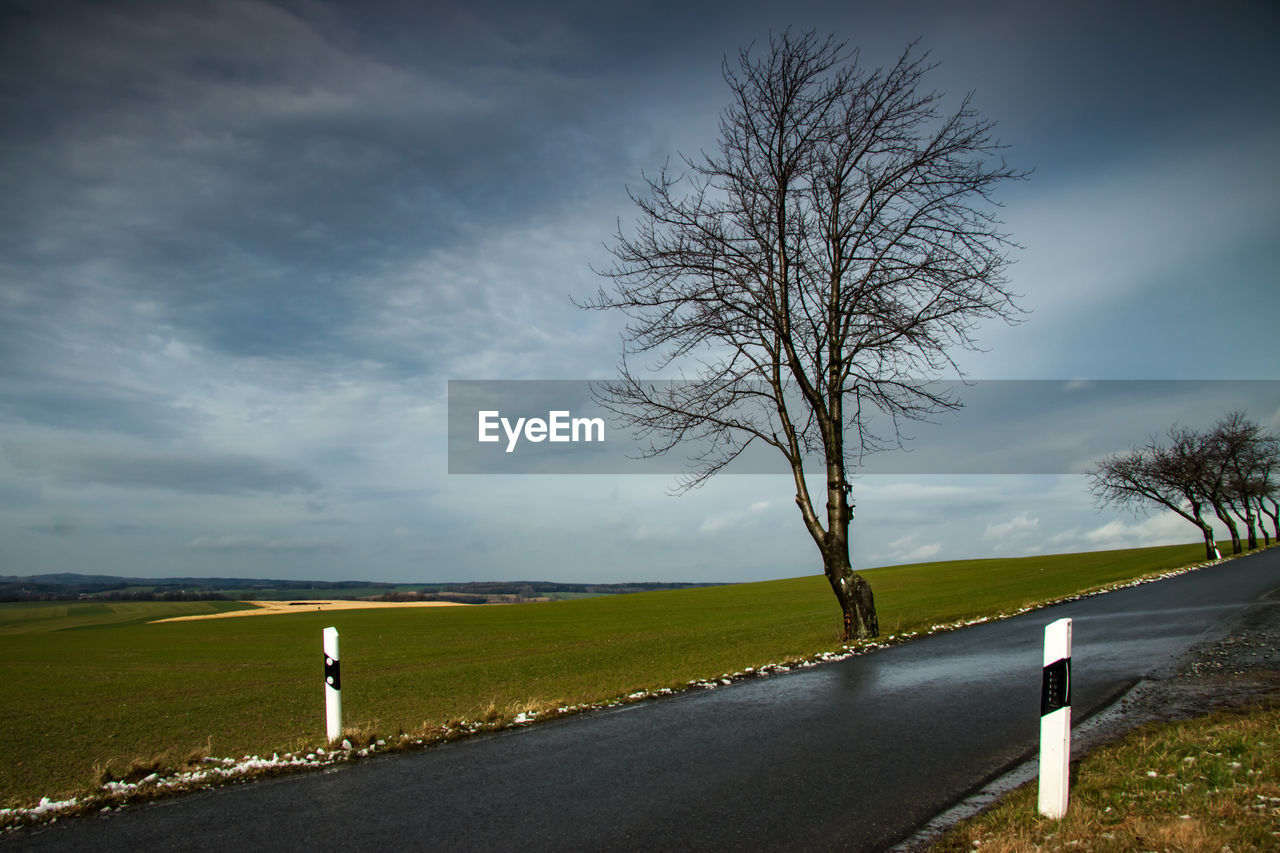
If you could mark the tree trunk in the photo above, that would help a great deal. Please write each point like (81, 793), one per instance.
(854, 594)
(1225, 517)
(1274, 516)
(1244, 511)
(1260, 515)
(1209, 549)
(857, 604)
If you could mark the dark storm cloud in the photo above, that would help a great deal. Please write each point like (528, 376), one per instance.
(253, 168)
(208, 474)
(1081, 83)
(250, 167)
(244, 243)
(89, 407)
(56, 527)
(257, 544)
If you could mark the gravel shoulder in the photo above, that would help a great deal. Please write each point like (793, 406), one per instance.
(1241, 668)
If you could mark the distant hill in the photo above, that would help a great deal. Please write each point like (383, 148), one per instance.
(69, 586)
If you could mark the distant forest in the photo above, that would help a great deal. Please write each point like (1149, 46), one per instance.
(70, 587)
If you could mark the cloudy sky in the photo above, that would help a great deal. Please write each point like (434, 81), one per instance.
(244, 246)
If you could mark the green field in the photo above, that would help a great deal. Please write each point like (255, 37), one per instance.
(41, 617)
(91, 687)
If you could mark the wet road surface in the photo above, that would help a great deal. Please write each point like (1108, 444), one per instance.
(851, 755)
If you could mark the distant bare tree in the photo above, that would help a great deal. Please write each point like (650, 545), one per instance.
(1243, 452)
(817, 266)
(1266, 489)
(1228, 469)
(1169, 477)
(1269, 493)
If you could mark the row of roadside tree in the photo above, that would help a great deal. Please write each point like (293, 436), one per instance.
(1231, 471)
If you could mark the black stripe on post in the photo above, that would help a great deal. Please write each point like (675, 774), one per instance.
(332, 673)
(1055, 686)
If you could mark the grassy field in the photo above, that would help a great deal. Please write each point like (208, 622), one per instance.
(1210, 784)
(91, 688)
(40, 618)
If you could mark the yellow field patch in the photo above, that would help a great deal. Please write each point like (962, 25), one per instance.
(275, 608)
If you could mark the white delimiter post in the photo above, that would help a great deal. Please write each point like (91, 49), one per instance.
(332, 685)
(1055, 720)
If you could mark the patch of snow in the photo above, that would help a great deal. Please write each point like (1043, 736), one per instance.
(47, 806)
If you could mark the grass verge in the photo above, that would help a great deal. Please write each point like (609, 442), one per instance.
(111, 699)
(1209, 784)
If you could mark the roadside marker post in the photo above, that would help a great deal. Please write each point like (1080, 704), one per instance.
(1055, 720)
(332, 685)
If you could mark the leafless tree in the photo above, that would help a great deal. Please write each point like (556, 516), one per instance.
(1247, 456)
(819, 264)
(1266, 490)
(1270, 493)
(1228, 468)
(1217, 491)
(1244, 450)
(1171, 477)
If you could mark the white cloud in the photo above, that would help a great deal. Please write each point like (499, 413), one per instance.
(1018, 526)
(1014, 537)
(905, 550)
(924, 552)
(1166, 528)
(721, 521)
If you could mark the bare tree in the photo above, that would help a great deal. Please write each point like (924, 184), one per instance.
(1244, 451)
(1216, 489)
(1184, 467)
(1228, 469)
(818, 265)
(1170, 477)
(1266, 489)
(1269, 493)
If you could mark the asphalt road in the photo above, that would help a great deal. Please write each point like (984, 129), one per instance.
(847, 756)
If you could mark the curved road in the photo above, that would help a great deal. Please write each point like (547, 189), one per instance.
(848, 756)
